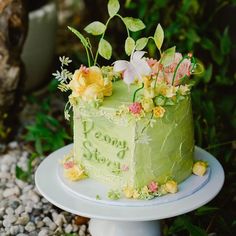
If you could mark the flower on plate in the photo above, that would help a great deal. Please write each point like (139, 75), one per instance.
(128, 191)
(88, 83)
(75, 173)
(135, 108)
(171, 186)
(153, 187)
(136, 68)
(200, 168)
(147, 104)
(68, 164)
(158, 111)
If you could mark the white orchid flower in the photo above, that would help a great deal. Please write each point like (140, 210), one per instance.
(136, 68)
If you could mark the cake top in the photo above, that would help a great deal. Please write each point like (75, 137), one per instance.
(146, 85)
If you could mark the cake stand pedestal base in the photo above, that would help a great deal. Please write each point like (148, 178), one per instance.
(124, 228)
(115, 220)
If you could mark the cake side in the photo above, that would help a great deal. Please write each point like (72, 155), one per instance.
(108, 145)
(169, 154)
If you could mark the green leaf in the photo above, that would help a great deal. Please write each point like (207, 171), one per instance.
(168, 56)
(105, 49)
(133, 24)
(79, 35)
(208, 74)
(204, 210)
(21, 174)
(113, 7)
(159, 36)
(129, 45)
(95, 28)
(141, 43)
(225, 42)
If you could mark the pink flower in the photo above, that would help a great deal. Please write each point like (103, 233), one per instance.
(184, 69)
(153, 187)
(135, 108)
(125, 168)
(68, 164)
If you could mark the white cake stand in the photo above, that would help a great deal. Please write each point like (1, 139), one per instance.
(115, 220)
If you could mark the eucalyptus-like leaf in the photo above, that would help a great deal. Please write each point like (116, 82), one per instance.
(113, 7)
(133, 24)
(159, 36)
(129, 45)
(168, 56)
(79, 35)
(105, 49)
(141, 43)
(95, 28)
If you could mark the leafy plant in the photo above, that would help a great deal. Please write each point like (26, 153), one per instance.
(46, 133)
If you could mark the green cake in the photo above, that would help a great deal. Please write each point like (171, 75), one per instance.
(133, 127)
(112, 150)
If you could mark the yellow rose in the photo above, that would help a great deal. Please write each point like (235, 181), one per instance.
(147, 82)
(170, 91)
(92, 92)
(200, 168)
(158, 111)
(147, 104)
(171, 186)
(74, 173)
(89, 84)
(128, 191)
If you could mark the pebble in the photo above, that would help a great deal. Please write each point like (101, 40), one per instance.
(15, 229)
(19, 210)
(11, 191)
(23, 220)
(30, 227)
(23, 211)
(68, 228)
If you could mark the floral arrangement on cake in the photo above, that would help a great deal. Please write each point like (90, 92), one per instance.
(162, 81)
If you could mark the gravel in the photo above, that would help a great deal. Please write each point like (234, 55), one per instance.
(23, 211)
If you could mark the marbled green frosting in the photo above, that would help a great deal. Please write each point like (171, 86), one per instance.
(108, 147)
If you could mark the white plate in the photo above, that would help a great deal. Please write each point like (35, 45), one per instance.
(90, 188)
(48, 184)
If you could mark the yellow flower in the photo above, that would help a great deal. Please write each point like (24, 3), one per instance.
(74, 173)
(200, 168)
(170, 91)
(158, 111)
(183, 89)
(149, 93)
(89, 84)
(136, 194)
(147, 82)
(171, 186)
(147, 104)
(145, 190)
(128, 191)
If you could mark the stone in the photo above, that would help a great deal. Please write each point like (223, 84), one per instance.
(59, 220)
(33, 196)
(23, 220)
(30, 227)
(39, 224)
(15, 204)
(9, 211)
(15, 229)
(11, 218)
(19, 210)
(43, 232)
(68, 228)
(11, 191)
(49, 223)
